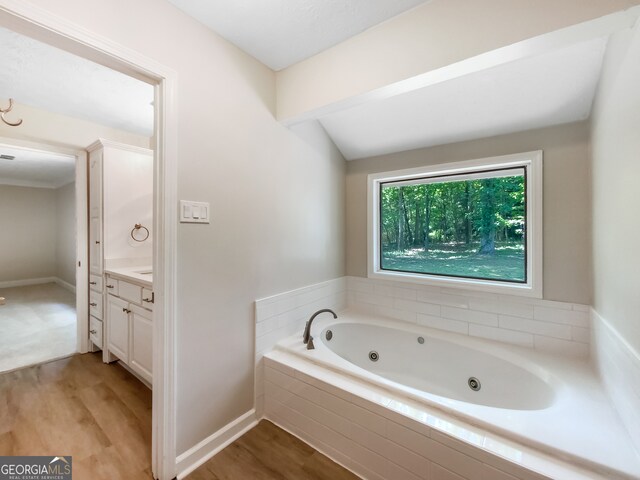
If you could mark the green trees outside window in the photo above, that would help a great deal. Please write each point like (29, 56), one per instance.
(473, 227)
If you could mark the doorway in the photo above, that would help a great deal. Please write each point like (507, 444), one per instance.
(38, 255)
(37, 23)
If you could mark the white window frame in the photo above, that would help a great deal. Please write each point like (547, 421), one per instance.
(531, 161)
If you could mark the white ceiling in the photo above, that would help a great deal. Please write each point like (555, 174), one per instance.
(535, 92)
(33, 168)
(39, 75)
(280, 33)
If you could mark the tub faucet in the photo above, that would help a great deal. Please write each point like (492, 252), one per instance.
(306, 337)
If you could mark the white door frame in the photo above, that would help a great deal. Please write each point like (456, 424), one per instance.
(82, 253)
(41, 24)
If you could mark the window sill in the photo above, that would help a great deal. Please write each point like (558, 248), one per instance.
(489, 286)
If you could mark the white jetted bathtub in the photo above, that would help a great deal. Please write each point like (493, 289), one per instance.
(552, 404)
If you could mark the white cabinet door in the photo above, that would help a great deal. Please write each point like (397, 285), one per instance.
(95, 245)
(95, 184)
(95, 212)
(141, 342)
(118, 327)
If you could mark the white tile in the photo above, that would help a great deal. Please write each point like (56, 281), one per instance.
(418, 307)
(395, 313)
(490, 473)
(453, 460)
(549, 329)
(395, 292)
(484, 304)
(364, 456)
(410, 439)
(581, 308)
(265, 310)
(443, 324)
(580, 334)
(374, 299)
(564, 347)
(440, 473)
(459, 301)
(471, 316)
(469, 293)
(516, 309)
(569, 317)
(552, 304)
(368, 420)
(501, 335)
(390, 450)
(359, 285)
(396, 472)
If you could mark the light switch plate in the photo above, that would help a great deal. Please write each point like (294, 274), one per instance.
(194, 212)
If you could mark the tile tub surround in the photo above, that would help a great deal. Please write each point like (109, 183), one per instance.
(619, 367)
(379, 436)
(282, 315)
(544, 325)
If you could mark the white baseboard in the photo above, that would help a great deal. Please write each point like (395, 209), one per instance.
(27, 282)
(65, 285)
(188, 461)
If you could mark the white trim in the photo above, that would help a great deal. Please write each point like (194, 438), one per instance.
(82, 252)
(45, 26)
(66, 285)
(27, 281)
(104, 143)
(530, 160)
(197, 455)
(81, 214)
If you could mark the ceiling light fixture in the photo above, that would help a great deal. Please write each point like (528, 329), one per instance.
(7, 110)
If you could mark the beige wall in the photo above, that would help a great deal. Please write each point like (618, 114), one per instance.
(566, 260)
(277, 201)
(27, 233)
(433, 35)
(615, 141)
(66, 233)
(53, 129)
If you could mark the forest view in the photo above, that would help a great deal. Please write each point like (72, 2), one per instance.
(469, 228)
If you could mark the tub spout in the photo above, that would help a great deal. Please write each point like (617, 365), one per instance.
(306, 337)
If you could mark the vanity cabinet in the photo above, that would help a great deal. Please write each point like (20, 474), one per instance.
(118, 327)
(120, 196)
(130, 326)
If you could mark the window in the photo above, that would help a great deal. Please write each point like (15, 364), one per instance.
(474, 224)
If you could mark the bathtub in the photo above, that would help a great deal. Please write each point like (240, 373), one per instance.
(547, 403)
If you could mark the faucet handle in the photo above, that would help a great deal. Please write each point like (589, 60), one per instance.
(310, 345)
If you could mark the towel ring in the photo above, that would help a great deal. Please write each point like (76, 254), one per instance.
(139, 226)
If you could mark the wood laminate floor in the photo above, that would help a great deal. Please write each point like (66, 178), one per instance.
(100, 414)
(269, 453)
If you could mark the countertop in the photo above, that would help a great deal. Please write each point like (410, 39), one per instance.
(140, 274)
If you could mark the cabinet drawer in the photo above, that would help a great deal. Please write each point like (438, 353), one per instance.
(147, 298)
(95, 304)
(95, 283)
(111, 286)
(95, 331)
(129, 291)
